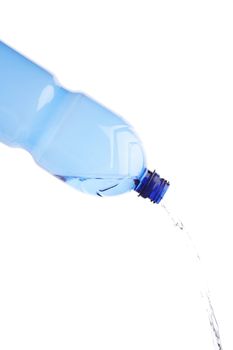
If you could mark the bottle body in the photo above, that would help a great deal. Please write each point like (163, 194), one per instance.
(68, 134)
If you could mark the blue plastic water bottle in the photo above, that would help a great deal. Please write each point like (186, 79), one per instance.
(69, 134)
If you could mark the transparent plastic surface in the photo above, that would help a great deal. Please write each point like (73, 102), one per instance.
(68, 134)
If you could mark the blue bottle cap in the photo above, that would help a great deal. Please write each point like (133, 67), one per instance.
(152, 186)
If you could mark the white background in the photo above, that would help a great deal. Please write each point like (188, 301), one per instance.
(70, 263)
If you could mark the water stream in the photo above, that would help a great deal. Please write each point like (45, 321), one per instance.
(205, 295)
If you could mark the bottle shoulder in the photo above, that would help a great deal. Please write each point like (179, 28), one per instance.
(91, 147)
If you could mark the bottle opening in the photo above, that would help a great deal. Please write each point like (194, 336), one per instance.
(152, 186)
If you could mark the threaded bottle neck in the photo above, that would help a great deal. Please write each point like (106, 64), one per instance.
(152, 186)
